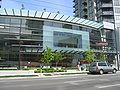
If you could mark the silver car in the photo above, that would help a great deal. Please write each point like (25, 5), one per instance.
(101, 67)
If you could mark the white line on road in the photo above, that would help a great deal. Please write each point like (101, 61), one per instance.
(107, 86)
(77, 81)
(103, 79)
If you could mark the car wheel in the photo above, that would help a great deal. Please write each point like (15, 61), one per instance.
(114, 70)
(101, 72)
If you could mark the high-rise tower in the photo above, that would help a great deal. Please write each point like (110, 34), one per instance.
(0, 3)
(84, 9)
(104, 10)
(101, 10)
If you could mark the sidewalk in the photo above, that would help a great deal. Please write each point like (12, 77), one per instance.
(71, 72)
(16, 72)
(31, 72)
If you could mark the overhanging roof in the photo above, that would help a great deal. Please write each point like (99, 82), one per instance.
(51, 16)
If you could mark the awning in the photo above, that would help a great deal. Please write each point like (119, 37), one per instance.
(51, 16)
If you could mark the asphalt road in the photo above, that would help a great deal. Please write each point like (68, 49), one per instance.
(74, 82)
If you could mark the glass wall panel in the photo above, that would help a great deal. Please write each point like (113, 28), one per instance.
(68, 26)
(68, 40)
(20, 39)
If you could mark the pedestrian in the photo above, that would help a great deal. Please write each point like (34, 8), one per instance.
(78, 66)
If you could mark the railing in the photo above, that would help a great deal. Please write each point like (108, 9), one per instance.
(107, 5)
(108, 13)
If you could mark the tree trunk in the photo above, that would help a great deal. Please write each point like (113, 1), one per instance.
(56, 64)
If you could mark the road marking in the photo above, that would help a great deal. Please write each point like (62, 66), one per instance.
(73, 83)
(77, 81)
(107, 86)
(104, 80)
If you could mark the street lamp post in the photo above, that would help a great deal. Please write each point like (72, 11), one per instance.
(115, 33)
(117, 51)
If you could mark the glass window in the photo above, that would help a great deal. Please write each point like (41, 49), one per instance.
(15, 22)
(4, 20)
(69, 40)
(35, 24)
(48, 23)
(76, 27)
(55, 24)
(117, 10)
(102, 64)
(14, 30)
(117, 2)
(93, 65)
(67, 26)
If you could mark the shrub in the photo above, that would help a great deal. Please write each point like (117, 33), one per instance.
(26, 69)
(48, 70)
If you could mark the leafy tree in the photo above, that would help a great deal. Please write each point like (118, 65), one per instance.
(101, 56)
(58, 57)
(89, 55)
(48, 56)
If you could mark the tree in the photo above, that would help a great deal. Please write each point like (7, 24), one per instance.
(89, 56)
(58, 57)
(101, 56)
(48, 56)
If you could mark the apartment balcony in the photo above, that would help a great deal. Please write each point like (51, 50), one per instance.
(109, 20)
(85, 9)
(75, 4)
(106, 0)
(107, 13)
(84, 5)
(107, 5)
(84, 1)
(85, 16)
(85, 13)
(74, 10)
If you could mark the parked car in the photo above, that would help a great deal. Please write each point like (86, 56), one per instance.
(102, 67)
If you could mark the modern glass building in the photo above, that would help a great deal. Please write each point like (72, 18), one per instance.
(24, 35)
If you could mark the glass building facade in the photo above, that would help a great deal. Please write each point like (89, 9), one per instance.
(25, 34)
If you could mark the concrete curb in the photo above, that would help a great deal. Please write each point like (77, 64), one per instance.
(41, 76)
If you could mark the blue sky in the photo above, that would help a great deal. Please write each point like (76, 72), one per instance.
(63, 6)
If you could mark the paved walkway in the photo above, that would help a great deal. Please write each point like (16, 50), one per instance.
(31, 72)
(16, 72)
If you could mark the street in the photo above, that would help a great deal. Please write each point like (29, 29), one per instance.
(70, 82)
